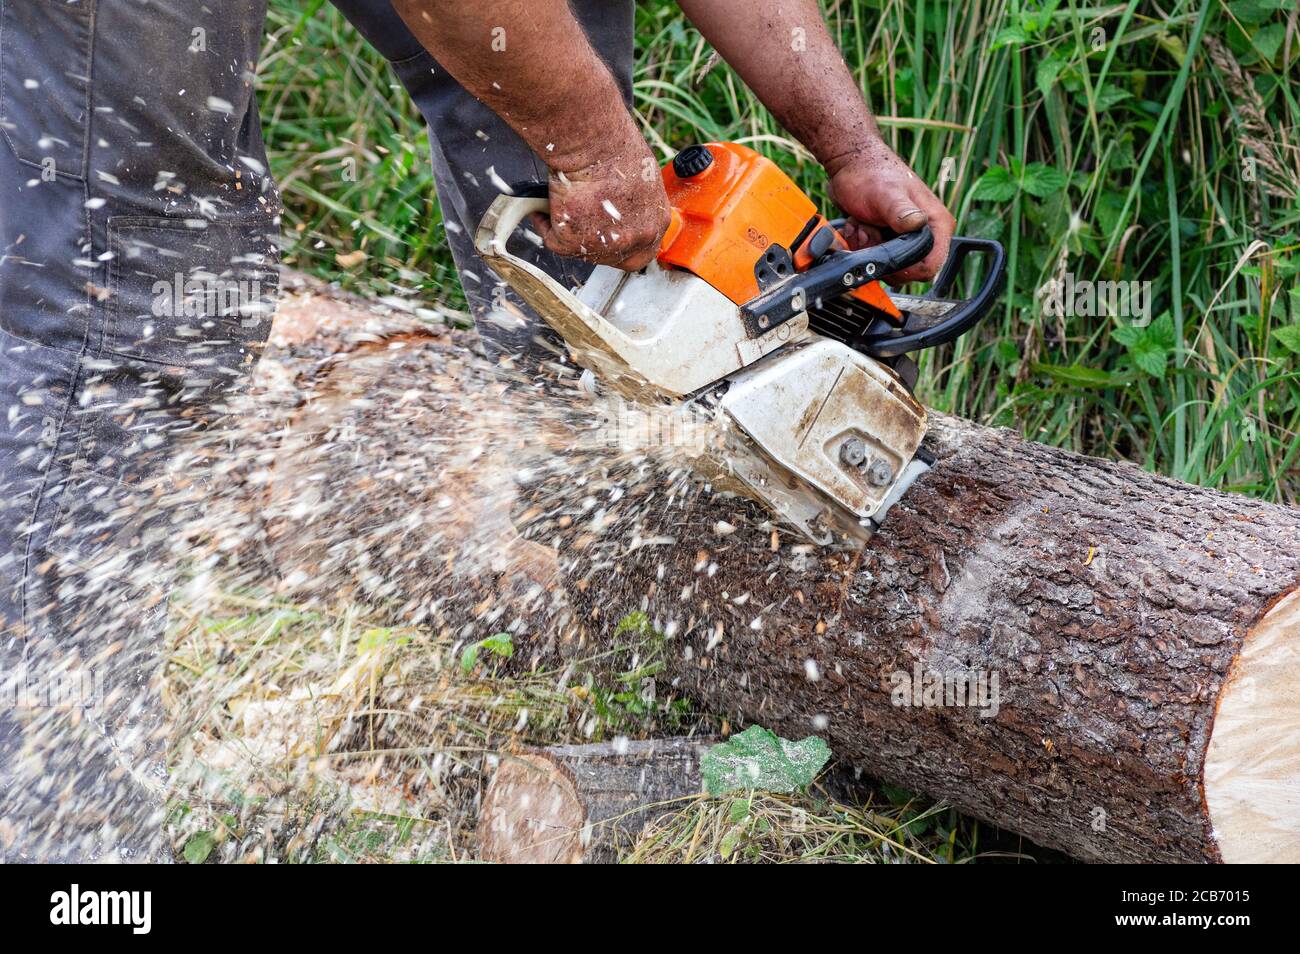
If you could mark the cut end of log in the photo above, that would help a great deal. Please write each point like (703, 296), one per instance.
(1252, 764)
(584, 803)
(532, 814)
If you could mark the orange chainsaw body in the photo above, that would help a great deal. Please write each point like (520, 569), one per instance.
(730, 216)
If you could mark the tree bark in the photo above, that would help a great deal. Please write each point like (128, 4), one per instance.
(1108, 612)
(1040, 638)
(583, 803)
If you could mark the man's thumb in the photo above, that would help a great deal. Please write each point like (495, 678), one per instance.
(906, 217)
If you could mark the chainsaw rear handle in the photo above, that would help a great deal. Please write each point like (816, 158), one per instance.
(503, 218)
(892, 343)
(835, 274)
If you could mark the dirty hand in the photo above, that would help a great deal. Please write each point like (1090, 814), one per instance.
(878, 190)
(611, 210)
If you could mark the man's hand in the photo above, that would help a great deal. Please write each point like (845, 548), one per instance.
(612, 211)
(812, 93)
(878, 190)
(543, 78)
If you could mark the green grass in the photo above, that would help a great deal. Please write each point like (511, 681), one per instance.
(310, 735)
(1109, 140)
(813, 827)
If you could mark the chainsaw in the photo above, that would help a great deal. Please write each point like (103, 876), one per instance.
(758, 311)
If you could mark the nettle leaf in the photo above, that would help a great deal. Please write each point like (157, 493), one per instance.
(1161, 331)
(730, 841)
(498, 644)
(1128, 335)
(1042, 180)
(759, 759)
(995, 185)
(1047, 72)
(1010, 36)
(1289, 336)
(982, 223)
(1108, 96)
(1149, 358)
(1149, 346)
(1107, 211)
(199, 846)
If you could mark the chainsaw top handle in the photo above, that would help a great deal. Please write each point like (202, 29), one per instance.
(914, 336)
(834, 274)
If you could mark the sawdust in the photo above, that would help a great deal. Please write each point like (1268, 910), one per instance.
(377, 502)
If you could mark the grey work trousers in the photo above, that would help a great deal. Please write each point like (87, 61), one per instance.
(139, 228)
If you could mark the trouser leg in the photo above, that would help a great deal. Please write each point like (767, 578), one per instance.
(474, 152)
(138, 226)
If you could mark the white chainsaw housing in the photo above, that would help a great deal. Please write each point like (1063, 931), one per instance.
(792, 399)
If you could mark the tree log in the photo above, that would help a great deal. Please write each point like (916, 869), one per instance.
(1107, 614)
(1096, 657)
(583, 803)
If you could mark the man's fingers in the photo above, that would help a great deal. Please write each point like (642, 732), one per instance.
(545, 229)
(860, 235)
(602, 253)
(638, 261)
(626, 245)
(941, 225)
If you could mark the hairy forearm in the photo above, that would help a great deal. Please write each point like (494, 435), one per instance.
(531, 63)
(784, 53)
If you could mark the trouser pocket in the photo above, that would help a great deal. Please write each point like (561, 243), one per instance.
(190, 292)
(187, 309)
(45, 82)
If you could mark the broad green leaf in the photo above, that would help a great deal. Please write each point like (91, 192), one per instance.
(1049, 68)
(1268, 40)
(1255, 11)
(1107, 211)
(1010, 36)
(983, 223)
(739, 810)
(199, 846)
(1289, 336)
(1080, 376)
(1108, 96)
(1128, 335)
(1161, 331)
(1150, 357)
(500, 644)
(1149, 346)
(995, 185)
(1043, 180)
(729, 842)
(634, 622)
(759, 759)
